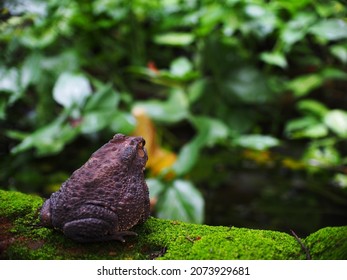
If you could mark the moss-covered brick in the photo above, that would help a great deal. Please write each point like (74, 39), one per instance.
(328, 243)
(22, 237)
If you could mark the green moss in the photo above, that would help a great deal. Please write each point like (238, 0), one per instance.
(27, 239)
(190, 241)
(24, 238)
(16, 203)
(328, 243)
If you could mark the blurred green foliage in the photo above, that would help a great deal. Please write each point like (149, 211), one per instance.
(218, 78)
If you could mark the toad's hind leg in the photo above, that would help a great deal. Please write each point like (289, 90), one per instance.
(93, 230)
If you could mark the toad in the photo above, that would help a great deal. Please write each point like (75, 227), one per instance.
(106, 197)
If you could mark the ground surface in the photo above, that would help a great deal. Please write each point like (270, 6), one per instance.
(22, 237)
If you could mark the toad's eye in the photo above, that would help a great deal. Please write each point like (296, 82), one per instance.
(128, 153)
(140, 149)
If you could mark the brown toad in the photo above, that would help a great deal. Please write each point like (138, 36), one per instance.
(105, 197)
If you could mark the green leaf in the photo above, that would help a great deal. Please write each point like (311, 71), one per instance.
(31, 71)
(313, 107)
(123, 123)
(296, 29)
(249, 85)
(180, 73)
(196, 90)
(318, 130)
(330, 29)
(180, 67)
(36, 38)
(71, 89)
(255, 10)
(172, 110)
(104, 99)
(334, 74)
(310, 126)
(209, 16)
(336, 120)
(49, 139)
(42, 139)
(111, 8)
(256, 142)
(318, 156)
(274, 58)
(262, 21)
(117, 121)
(210, 130)
(18, 135)
(155, 186)
(307, 126)
(32, 7)
(174, 39)
(340, 180)
(48, 27)
(95, 121)
(187, 157)
(340, 52)
(66, 61)
(303, 85)
(181, 201)
(3, 105)
(9, 80)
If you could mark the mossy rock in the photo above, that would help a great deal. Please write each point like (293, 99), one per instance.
(22, 237)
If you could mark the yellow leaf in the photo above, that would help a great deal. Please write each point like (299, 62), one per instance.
(292, 164)
(145, 128)
(162, 159)
(260, 157)
(158, 158)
